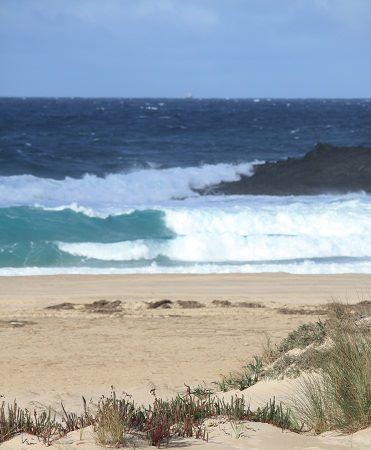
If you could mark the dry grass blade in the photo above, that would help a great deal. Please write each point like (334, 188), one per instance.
(109, 428)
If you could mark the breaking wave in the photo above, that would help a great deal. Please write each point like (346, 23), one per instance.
(131, 188)
(324, 234)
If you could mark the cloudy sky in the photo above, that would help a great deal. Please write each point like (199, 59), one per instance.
(172, 48)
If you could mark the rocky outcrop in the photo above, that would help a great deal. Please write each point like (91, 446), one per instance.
(325, 169)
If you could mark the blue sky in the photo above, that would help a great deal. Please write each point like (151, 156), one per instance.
(172, 48)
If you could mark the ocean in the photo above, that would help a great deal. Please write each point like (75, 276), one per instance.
(112, 186)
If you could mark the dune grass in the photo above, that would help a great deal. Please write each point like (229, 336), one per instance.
(334, 356)
(338, 396)
(109, 426)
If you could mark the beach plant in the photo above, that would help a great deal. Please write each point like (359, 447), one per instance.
(14, 420)
(276, 414)
(338, 395)
(283, 366)
(109, 426)
(269, 352)
(223, 384)
(292, 365)
(255, 368)
(201, 391)
(182, 416)
(156, 422)
(238, 428)
(304, 335)
(243, 379)
(72, 421)
(10, 420)
(236, 409)
(340, 311)
(114, 418)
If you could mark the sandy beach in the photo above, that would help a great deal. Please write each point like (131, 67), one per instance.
(210, 325)
(52, 354)
(22, 293)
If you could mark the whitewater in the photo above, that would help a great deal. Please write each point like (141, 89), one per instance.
(155, 221)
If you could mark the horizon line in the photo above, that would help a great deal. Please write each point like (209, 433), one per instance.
(186, 97)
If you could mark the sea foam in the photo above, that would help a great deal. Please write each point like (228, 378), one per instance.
(302, 267)
(141, 186)
(255, 229)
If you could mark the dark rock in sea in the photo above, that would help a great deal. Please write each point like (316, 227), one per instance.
(325, 169)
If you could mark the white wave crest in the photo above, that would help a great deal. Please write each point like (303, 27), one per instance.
(142, 186)
(303, 267)
(89, 212)
(252, 229)
(224, 248)
(292, 216)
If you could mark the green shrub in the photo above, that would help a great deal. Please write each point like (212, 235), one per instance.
(304, 335)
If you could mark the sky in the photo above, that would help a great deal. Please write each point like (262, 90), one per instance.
(176, 48)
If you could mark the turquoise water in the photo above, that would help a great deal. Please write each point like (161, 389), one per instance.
(30, 236)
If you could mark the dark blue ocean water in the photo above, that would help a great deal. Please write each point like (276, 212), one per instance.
(108, 185)
(54, 138)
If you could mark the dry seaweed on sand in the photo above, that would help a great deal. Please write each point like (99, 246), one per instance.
(62, 306)
(302, 311)
(252, 305)
(221, 303)
(190, 304)
(160, 304)
(104, 306)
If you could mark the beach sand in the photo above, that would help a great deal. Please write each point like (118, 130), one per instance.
(213, 325)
